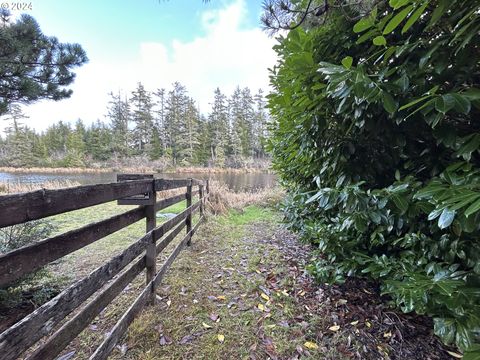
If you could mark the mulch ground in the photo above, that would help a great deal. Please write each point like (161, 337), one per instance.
(373, 329)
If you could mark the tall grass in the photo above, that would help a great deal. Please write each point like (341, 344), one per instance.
(222, 199)
(16, 187)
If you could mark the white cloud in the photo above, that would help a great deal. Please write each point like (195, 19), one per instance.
(229, 54)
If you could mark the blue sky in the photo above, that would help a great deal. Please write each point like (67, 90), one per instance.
(219, 43)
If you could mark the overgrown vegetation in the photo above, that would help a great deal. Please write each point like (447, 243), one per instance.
(377, 141)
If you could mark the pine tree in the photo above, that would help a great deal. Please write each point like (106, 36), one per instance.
(34, 66)
(119, 115)
(175, 122)
(260, 125)
(160, 118)
(142, 117)
(218, 124)
(18, 147)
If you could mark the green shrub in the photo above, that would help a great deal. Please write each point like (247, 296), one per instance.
(377, 139)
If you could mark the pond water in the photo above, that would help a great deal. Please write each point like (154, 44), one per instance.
(236, 182)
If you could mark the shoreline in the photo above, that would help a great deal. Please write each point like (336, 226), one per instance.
(141, 170)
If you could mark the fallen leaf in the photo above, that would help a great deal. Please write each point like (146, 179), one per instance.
(271, 326)
(387, 334)
(354, 322)
(284, 292)
(455, 355)
(302, 293)
(310, 345)
(368, 324)
(261, 307)
(221, 297)
(206, 326)
(265, 297)
(334, 328)
(165, 340)
(169, 302)
(221, 338)
(186, 339)
(214, 317)
(368, 292)
(342, 302)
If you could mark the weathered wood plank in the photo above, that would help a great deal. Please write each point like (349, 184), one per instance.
(167, 184)
(17, 263)
(161, 273)
(121, 326)
(168, 239)
(16, 339)
(164, 203)
(151, 250)
(139, 199)
(18, 208)
(63, 336)
(169, 224)
(202, 203)
(188, 220)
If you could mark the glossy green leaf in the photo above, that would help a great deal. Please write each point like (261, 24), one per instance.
(379, 41)
(347, 62)
(414, 17)
(397, 19)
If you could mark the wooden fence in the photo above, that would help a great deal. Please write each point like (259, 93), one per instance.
(107, 281)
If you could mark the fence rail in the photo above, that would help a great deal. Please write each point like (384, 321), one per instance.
(98, 287)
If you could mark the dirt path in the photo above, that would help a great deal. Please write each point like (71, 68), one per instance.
(241, 292)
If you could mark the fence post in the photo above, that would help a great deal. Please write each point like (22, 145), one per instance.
(188, 221)
(200, 192)
(151, 251)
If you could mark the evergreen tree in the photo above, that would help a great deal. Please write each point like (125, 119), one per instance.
(119, 115)
(17, 142)
(159, 118)
(218, 125)
(34, 66)
(142, 117)
(175, 122)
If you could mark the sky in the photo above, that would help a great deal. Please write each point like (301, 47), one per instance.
(202, 45)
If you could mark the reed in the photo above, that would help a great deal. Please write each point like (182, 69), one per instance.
(16, 187)
(222, 199)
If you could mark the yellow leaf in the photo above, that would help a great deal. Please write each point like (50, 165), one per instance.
(387, 334)
(334, 328)
(221, 338)
(455, 355)
(261, 307)
(206, 326)
(258, 271)
(169, 302)
(354, 322)
(221, 297)
(265, 296)
(310, 345)
(368, 324)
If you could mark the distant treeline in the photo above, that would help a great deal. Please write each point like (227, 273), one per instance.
(164, 127)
